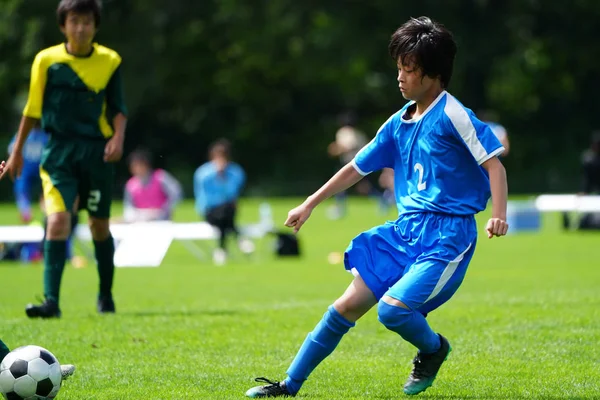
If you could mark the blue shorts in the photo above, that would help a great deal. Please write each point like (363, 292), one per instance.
(420, 259)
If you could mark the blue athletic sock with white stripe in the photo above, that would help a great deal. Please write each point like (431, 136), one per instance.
(411, 325)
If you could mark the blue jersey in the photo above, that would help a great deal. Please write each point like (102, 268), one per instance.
(212, 189)
(30, 179)
(436, 158)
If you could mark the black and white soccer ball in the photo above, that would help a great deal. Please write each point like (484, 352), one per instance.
(31, 373)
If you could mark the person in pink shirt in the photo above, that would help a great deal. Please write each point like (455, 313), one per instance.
(150, 194)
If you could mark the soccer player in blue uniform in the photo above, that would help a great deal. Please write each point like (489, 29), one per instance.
(445, 168)
(29, 181)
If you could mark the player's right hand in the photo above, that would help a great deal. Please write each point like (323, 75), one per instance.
(2, 164)
(298, 216)
(13, 166)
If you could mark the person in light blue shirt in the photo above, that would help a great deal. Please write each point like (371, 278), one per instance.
(446, 166)
(490, 117)
(217, 186)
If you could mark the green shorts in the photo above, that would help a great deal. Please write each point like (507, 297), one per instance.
(74, 169)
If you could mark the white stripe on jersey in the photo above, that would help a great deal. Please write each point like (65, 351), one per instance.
(447, 274)
(360, 171)
(463, 125)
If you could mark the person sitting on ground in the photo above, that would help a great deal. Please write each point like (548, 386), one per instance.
(217, 187)
(151, 194)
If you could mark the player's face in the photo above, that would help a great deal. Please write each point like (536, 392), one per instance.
(79, 29)
(412, 83)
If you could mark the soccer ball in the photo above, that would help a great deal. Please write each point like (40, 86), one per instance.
(30, 372)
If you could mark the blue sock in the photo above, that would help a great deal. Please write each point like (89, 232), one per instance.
(411, 325)
(318, 344)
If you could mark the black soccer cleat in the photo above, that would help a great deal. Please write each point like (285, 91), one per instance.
(272, 389)
(106, 305)
(425, 369)
(48, 309)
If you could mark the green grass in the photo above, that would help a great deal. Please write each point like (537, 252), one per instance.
(525, 323)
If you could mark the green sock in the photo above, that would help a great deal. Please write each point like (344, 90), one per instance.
(105, 256)
(3, 350)
(55, 255)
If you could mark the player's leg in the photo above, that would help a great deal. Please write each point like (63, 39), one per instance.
(104, 250)
(22, 197)
(96, 196)
(429, 283)
(374, 259)
(216, 217)
(245, 245)
(336, 322)
(230, 214)
(4, 350)
(74, 223)
(59, 186)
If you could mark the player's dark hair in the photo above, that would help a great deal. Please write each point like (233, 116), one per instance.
(426, 43)
(140, 155)
(79, 7)
(221, 146)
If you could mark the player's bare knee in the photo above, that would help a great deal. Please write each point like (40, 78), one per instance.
(351, 310)
(59, 226)
(346, 309)
(99, 228)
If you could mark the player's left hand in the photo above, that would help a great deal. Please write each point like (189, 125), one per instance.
(113, 151)
(496, 227)
(2, 164)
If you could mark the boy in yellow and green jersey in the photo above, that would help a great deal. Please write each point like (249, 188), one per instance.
(76, 94)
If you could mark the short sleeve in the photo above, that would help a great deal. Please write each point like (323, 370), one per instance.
(476, 135)
(379, 153)
(499, 131)
(115, 99)
(37, 85)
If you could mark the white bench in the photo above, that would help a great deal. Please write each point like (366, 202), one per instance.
(567, 202)
(525, 215)
(144, 244)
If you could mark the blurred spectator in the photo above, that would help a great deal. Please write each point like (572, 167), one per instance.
(590, 162)
(490, 118)
(348, 141)
(217, 187)
(150, 194)
(29, 184)
(388, 198)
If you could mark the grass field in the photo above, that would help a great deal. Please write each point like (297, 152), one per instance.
(525, 324)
